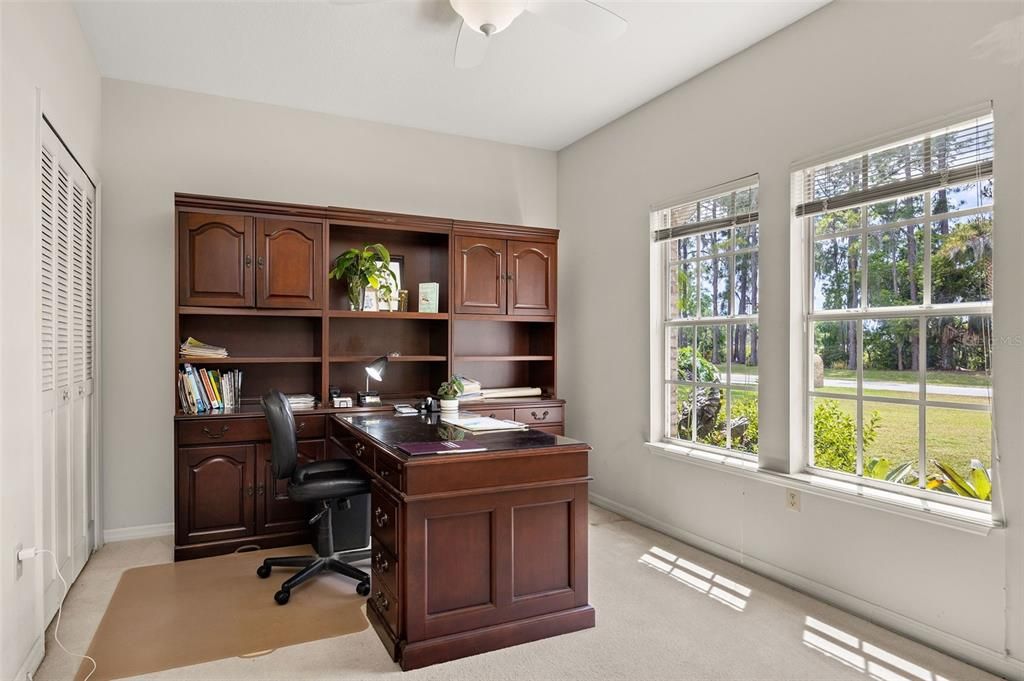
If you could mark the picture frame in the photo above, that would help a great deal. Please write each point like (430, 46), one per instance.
(397, 266)
(370, 300)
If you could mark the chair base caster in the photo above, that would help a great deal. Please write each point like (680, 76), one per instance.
(263, 571)
(282, 597)
(363, 588)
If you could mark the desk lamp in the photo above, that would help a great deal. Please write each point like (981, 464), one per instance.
(374, 370)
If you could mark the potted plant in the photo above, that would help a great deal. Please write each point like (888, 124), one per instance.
(449, 394)
(362, 267)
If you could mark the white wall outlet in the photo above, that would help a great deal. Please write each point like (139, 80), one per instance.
(18, 563)
(793, 500)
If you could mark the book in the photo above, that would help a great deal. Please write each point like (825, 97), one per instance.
(441, 447)
(208, 386)
(510, 392)
(429, 293)
(483, 424)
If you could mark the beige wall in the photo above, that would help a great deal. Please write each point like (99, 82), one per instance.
(159, 141)
(843, 74)
(44, 53)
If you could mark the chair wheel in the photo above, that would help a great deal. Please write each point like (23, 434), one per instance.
(363, 588)
(282, 597)
(263, 571)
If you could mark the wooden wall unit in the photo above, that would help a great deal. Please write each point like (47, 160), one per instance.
(252, 276)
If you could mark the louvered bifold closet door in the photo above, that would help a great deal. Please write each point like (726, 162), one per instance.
(66, 331)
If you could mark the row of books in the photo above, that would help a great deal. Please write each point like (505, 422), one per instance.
(199, 350)
(202, 390)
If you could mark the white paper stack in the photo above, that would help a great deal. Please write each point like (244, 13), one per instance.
(194, 349)
(301, 401)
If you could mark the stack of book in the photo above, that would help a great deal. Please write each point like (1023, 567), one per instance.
(301, 401)
(471, 389)
(194, 349)
(201, 391)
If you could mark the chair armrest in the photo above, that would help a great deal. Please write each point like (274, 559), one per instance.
(322, 468)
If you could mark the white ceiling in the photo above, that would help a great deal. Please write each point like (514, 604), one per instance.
(541, 85)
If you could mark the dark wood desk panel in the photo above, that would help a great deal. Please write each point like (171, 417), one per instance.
(474, 551)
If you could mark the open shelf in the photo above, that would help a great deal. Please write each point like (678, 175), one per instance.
(245, 312)
(248, 360)
(366, 359)
(430, 316)
(504, 358)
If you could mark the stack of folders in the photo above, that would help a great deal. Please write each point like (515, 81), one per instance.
(471, 389)
(202, 390)
(301, 401)
(194, 349)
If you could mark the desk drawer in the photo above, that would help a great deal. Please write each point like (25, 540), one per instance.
(539, 415)
(385, 567)
(384, 519)
(388, 469)
(213, 430)
(556, 429)
(385, 602)
(494, 413)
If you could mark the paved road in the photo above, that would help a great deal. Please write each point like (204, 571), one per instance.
(933, 389)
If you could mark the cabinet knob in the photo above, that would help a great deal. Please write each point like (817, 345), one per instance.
(260, 489)
(248, 261)
(380, 517)
(385, 473)
(249, 491)
(215, 436)
(542, 417)
(259, 262)
(382, 601)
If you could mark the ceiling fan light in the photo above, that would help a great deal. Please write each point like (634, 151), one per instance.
(490, 17)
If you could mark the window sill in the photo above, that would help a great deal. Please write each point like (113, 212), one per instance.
(936, 512)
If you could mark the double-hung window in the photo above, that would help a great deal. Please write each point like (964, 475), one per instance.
(706, 264)
(899, 311)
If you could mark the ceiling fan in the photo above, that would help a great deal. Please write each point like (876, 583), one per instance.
(484, 19)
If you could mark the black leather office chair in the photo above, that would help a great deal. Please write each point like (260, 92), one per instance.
(325, 482)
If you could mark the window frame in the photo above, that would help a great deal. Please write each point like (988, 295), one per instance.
(804, 226)
(660, 267)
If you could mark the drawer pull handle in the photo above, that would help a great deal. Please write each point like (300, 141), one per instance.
(381, 517)
(382, 601)
(215, 436)
(259, 490)
(492, 415)
(542, 417)
(360, 449)
(249, 490)
(299, 427)
(382, 563)
(385, 473)
(259, 262)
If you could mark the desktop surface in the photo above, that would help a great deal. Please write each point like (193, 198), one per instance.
(392, 430)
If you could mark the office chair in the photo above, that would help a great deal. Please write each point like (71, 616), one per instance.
(325, 482)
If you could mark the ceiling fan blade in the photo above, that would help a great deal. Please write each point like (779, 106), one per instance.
(582, 16)
(470, 48)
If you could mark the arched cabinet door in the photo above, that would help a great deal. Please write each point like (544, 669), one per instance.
(480, 277)
(215, 493)
(215, 260)
(533, 274)
(275, 512)
(289, 263)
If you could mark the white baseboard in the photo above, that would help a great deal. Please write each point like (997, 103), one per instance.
(32, 660)
(138, 532)
(972, 653)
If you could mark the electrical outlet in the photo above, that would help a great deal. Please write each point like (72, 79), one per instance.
(793, 500)
(18, 563)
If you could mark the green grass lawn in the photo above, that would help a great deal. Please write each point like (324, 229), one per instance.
(954, 436)
(966, 378)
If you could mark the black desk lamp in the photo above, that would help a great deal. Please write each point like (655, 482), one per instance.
(374, 370)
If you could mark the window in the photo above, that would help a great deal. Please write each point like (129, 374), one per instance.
(899, 321)
(705, 257)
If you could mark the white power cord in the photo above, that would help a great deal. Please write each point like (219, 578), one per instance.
(25, 554)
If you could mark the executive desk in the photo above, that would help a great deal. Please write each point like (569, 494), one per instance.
(473, 551)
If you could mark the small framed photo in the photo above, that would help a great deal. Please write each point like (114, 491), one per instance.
(370, 300)
(397, 266)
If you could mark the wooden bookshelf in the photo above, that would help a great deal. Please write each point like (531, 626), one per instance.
(253, 277)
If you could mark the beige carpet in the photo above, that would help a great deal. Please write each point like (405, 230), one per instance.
(180, 614)
(694, 617)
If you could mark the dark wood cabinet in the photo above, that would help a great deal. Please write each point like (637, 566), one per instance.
(289, 264)
(480, 275)
(216, 487)
(532, 278)
(275, 512)
(215, 259)
(499, 277)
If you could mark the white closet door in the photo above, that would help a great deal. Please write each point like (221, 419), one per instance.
(66, 332)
